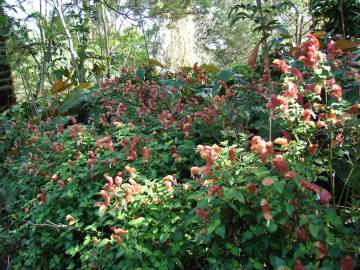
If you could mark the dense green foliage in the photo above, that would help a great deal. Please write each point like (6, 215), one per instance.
(204, 169)
(123, 154)
(340, 17)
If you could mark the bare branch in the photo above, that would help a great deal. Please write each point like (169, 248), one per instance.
(125, 15)
(50, 224)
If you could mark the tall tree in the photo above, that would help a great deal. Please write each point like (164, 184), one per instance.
(7, 93)
(86, 25)
(341, 17)
(59, 8)
(106, 40)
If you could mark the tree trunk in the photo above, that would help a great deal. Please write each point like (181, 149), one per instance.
(301, 30)
(141, 26)
(7, 93)
(179, 46)
(85, 38)
(43, 62)
(340, 3)
(73, 55)
(106, 39)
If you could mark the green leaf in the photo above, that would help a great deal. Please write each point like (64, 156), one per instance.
(314, 230)
(231, 193)
(247, 236)
(140, 73)
(103, 242)
(289, 209)
(163, 237)
(279, 186)
(72, 101)
(136, 222)
(332, 218)
(202, 203)
(220, 231)
(224, 75)
(272, 227)
(278, 262)
(213, 226)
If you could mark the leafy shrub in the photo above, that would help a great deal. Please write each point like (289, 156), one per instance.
(172, 173)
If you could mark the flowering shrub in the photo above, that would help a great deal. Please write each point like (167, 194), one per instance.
(190, 172)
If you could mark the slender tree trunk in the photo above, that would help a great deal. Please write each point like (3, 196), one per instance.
(69, 39)
(301, 29)
(85, 38)
(49, 43)
(141, 25)
(145, 38)
(340, 2)
(43, 62)
(297, 29)
(106, 39)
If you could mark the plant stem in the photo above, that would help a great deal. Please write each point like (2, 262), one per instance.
(345, 185)
(342, 17)
(332, 178)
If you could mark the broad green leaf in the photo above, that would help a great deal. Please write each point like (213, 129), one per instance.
(220, 231)
(314, 230)
(136, 222)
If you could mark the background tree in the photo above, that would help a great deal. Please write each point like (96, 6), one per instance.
(224, 43)
(7, 94)
(337, 16)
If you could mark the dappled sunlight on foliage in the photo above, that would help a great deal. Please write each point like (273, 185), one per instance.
(230, 169)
